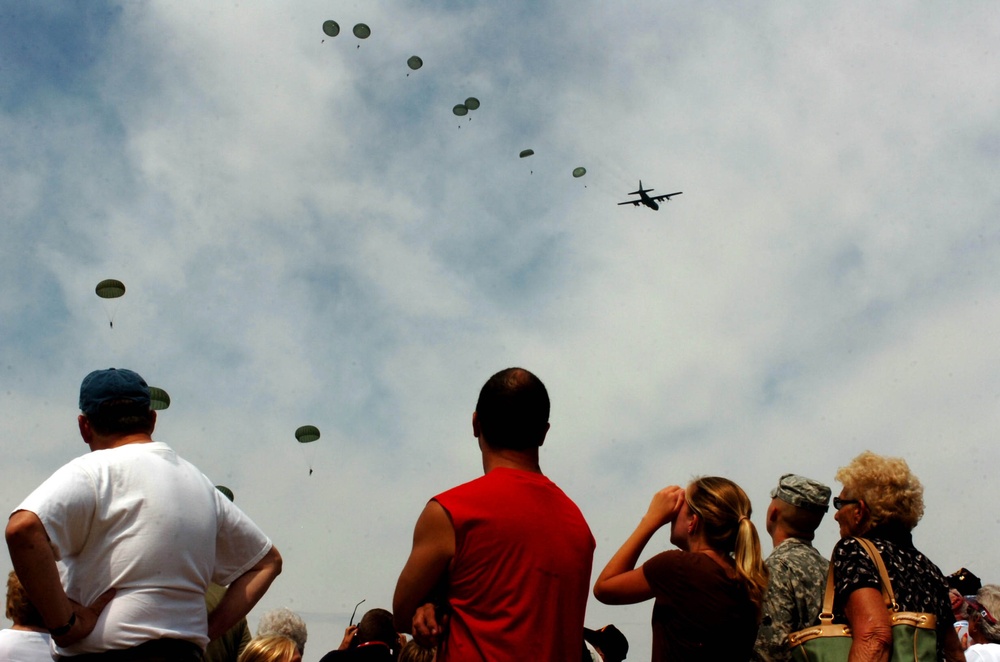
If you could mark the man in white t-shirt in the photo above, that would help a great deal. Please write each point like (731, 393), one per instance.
(117, 548)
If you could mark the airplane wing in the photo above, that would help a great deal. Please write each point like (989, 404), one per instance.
(666, 196)
(631, 202)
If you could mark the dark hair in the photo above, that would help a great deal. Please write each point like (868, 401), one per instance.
(122, 417)
(376, 625)
(513, 410)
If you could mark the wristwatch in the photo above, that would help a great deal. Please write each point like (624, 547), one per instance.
(60, 631)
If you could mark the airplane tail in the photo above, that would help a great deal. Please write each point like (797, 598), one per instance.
(641, 190)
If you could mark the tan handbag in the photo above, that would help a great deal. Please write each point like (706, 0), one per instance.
(914, 634)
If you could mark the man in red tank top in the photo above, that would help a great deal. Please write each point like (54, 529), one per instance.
(500, 566)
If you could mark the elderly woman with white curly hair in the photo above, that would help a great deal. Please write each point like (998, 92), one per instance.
(883, 501)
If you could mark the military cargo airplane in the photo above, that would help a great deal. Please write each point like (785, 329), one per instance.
(649, 201)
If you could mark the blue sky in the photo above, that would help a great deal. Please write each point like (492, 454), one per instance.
(308, 235)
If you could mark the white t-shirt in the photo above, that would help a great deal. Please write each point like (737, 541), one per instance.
(983, 653)
(24, 646)
(140, 519)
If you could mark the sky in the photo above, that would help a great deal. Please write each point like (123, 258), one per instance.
(309, 235)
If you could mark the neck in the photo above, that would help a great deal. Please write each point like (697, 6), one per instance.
(102, 442)
(28, 628)
(506, 458)
(781, 534)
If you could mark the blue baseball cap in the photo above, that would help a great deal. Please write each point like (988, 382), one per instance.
(101, 386)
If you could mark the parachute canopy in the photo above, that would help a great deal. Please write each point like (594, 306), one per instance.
(414, 62)
(579, 172)
(460, 110)
(110, 289)
(472, 103)
(331, 28)
(307, 433)
(526, 152)
(158, 398)
(225, 490)
(362, 31)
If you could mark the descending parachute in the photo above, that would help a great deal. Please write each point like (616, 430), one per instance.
(472, 103)
(460, 110)
(158, 398)
(414, 62)
(110, 289)
(307, 434)
(579, 172)
(362, 31)
(331, 28)
(526, 152)
(225, 490)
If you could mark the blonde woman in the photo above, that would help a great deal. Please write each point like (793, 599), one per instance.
(272, 648)
(717, 569)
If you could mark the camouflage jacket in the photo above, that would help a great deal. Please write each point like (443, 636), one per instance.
(793, 598)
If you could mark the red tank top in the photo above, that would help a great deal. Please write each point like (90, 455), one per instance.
(520, 579)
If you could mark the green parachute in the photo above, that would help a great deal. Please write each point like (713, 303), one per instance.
(158, 398)
(306, 435)
(110, 289)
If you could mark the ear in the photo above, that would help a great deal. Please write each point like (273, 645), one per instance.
(547, 428)
(85, 430)
(772, 513)
(476, 432)
(694, 523)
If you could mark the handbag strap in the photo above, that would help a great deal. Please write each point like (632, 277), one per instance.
(826, 614)
(886, 585)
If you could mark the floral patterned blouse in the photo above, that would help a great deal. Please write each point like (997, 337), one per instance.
(917, 583)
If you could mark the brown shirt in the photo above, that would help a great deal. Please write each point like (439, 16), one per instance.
(702, 611)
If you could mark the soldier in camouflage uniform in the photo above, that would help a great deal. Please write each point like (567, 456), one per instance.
(798, 572)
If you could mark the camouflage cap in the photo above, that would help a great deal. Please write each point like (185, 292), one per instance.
(802, 492)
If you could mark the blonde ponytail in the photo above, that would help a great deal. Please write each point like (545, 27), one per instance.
(725, 511)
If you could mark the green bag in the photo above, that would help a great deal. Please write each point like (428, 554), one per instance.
(914, 634)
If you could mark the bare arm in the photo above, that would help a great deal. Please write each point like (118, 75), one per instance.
(871, 630)
(244, 593)
(620, 582)
(35, 564)
(953, 651)
(433, 550)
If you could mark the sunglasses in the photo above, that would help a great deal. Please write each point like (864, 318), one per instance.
(839, 503)
(983, 611)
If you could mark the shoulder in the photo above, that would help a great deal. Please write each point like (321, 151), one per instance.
(675, 560)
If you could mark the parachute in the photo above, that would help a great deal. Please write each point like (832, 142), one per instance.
(158, 398)
(472, 103)
(225, 490)
(331, 28)
(414, 62)
(308, 434)
(579, 172)
(362, 31)
(526, 152)
(460, 110)
(110, 289)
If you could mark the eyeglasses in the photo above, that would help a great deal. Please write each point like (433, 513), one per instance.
(839, 503)
(355, 613)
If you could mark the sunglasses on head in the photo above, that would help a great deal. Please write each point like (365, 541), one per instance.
(983, 611)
